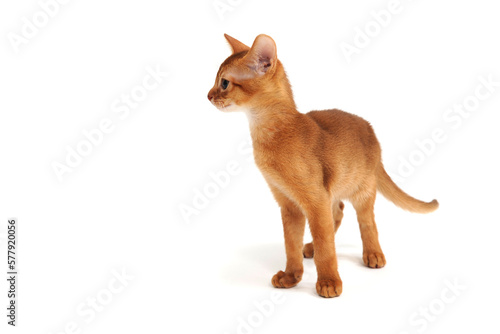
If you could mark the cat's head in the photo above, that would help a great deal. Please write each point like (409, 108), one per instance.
(249, 75)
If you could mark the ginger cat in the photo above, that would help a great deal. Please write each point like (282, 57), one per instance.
(310, 161)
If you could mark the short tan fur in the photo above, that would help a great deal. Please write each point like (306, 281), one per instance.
(311, 162)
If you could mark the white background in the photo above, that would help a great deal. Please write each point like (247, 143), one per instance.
(120, 208)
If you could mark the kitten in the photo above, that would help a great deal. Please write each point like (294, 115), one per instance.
(310, 161)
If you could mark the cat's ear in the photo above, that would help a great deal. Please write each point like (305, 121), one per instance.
(236, 45)
(262, 57)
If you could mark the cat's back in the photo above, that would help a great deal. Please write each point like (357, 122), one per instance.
(345, 128)
(335, 120)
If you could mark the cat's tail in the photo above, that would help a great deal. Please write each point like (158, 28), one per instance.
(392, 192)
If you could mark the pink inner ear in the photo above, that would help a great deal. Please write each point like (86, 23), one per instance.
(264, 64)
(262, 55)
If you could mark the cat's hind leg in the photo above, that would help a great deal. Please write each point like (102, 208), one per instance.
(363, 202)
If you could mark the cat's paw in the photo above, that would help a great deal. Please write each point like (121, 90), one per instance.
(374, 259)
(308, 250)
(284, 280)
(329, 288)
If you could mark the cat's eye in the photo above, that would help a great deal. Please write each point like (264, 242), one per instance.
(224, 83)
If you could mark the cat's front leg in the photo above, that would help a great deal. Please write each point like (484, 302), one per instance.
(338, 214)
(322, 228)
(294, 223)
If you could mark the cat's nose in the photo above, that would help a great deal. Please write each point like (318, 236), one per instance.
(210, 96)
